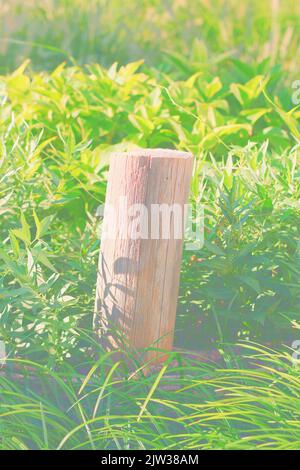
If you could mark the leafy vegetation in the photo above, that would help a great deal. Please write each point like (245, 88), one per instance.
(216, 88)
(180, 34)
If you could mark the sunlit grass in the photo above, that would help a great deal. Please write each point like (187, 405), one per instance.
(213, 78)
(192, 406)
(180, 35)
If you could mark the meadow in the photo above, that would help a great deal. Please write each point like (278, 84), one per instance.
(80, 80)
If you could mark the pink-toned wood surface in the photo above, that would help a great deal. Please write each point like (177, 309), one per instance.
(138, 278)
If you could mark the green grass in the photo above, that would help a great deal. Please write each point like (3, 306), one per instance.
(186, 405)
(215, 80)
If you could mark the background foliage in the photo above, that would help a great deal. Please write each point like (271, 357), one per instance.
(180, 32)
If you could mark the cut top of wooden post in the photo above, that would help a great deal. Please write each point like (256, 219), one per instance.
(154, 153)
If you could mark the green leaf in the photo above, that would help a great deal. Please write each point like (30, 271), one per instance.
(14, 244)
(251, 282)
(24, 232)
(42, 226)
(216, 250)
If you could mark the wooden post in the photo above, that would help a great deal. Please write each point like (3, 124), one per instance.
(139, 262)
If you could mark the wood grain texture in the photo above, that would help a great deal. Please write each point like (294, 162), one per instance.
(138, 278)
